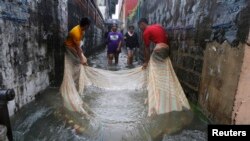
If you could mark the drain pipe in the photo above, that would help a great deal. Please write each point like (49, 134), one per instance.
(5, 96)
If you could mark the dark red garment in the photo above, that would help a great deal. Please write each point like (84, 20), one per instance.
(155, 33)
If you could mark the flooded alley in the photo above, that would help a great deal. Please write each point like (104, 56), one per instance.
(124, 70)
(119, 116)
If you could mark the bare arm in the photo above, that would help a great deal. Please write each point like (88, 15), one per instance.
(120, 43)
(79, 53)
(146, 38)
(119, 46)
(146, 57)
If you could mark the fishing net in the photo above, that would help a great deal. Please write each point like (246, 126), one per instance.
(165, 93)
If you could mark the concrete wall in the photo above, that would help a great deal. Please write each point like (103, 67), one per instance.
(30, 40)
(93, 39)
(220, 75)
(241, 112)
(204, 33)
(32, 33)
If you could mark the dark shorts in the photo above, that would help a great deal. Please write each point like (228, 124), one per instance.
(131, 48)
(113, 50)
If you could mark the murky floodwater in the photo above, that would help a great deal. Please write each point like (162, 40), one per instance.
(118, 116)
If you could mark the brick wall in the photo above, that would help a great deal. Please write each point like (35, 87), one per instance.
(193, 26)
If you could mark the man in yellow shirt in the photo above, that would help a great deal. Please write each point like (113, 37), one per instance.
(72, 84)
(75, 36)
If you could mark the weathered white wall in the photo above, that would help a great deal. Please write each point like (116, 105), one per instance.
(32, 33)
(63, 17)
(29, 30)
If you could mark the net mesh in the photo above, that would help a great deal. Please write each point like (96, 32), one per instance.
(165, 93)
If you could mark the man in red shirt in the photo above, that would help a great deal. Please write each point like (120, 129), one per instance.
(152, 33)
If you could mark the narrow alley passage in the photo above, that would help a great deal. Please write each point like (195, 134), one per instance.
(120, 115)
(199, 74)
